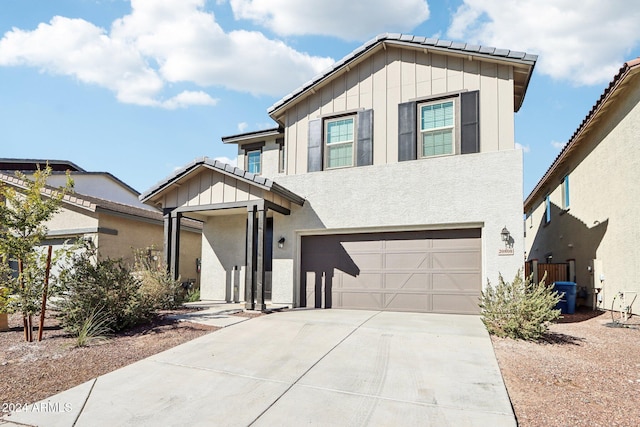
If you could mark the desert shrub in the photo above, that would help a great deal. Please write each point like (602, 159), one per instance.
(90, 284)
(94, 329)
(520, 309)
(157, 288)
(192, 295)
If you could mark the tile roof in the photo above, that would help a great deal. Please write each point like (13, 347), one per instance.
(90, 203)
(626, 69)
(424, 42)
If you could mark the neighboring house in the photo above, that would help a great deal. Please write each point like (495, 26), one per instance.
(583, 210)
(116, 226)
(385, 185)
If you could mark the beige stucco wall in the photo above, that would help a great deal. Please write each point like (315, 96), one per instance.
(70, 220)
(602, 221)
(393, 76)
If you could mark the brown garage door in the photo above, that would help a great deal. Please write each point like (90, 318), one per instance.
(426, 271)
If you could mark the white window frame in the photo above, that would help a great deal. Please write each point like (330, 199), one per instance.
(352, 142)
(455, 128)
(248, 154)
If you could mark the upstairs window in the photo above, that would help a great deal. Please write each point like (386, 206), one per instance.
(339, 141)
(437, 129)
(443, 125)
(565, 192)
(547, 209)
(254, 161)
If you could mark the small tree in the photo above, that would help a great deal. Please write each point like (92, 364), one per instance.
(520, 309)
(22, 227)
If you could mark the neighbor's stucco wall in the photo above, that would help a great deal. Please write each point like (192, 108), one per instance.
(601, 222)
(72, 221)
(393, 76)
(139, 234)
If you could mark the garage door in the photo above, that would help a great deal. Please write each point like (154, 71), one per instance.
(426, 271)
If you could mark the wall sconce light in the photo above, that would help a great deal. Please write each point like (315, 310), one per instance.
(505, 235)
(281, 242)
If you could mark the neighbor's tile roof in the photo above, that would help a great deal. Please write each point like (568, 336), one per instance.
(425, 42)
(626, 69)
(89, 203)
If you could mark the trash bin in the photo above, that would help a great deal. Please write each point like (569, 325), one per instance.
(567, 291)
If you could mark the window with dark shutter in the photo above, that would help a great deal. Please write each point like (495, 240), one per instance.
(407, 131)
(314, 152)
(364, 144)
(470, 122)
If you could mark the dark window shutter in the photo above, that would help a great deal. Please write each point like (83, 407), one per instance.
(470, 122)
(407, 131)
(314, 152)
(364, 145)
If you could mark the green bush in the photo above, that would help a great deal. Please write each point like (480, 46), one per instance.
(91, 284)
(520, 309)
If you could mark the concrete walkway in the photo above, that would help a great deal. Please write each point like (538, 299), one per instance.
(299, 367)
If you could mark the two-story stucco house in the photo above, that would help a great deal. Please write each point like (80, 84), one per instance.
(385, 184)
(583, 210)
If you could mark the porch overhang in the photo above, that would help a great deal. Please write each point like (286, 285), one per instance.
(207, 188)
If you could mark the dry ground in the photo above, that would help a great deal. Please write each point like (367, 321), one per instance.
(585, 373)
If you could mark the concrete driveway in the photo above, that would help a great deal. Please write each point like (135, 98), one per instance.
(318, 367)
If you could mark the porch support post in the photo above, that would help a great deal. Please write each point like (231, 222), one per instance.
(534, 270)
(174, 265)
(166, 246)
(260, 253)
(249, 273)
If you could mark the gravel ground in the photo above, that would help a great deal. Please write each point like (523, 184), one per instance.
(584, 373)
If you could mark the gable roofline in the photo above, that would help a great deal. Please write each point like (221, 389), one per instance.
(225, 169)
(628, 68)
(87, 202)
(248, 136)
(24, 165)
(429, 44)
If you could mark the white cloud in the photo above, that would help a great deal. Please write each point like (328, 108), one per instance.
(242, 126)
(223, 159)
(524, 148)
(351, 20)
(160, 43)
(557, 145)
(581, 42)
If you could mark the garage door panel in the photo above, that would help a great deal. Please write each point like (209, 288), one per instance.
(362, 281)
(361, 300)
(367, 261)
(407, 302)
(456, 260)
(463, 304)
(409, 281)
(425, 271)
(456, 281)
(407, 261)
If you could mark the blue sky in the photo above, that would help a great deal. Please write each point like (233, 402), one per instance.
(139, 88)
